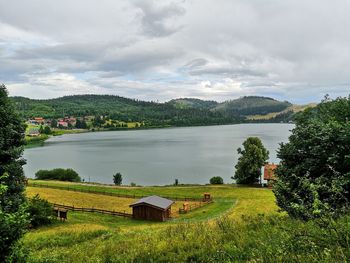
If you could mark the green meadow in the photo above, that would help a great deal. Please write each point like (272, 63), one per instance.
(241, 225)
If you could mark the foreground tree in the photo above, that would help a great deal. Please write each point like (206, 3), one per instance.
(314, 173)
(253, 157)
(117, 179)
(13, 218)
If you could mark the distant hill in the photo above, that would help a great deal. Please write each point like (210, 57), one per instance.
(252, 105)
(186, 103)
(123, 109)
(177, 112)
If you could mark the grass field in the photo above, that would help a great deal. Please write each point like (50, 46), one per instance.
(293, 108)
(242, 225)
(89, 200)
(249, 201)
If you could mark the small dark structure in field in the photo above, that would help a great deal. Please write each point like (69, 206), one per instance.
(61, 213)
(206, 197)
(152, 208)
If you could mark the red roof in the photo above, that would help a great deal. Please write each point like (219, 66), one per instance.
(269, 171)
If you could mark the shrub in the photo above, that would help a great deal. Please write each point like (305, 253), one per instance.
(40, 211)
(58, 174)
(216, 180)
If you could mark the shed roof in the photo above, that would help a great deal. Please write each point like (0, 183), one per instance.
(154, 200)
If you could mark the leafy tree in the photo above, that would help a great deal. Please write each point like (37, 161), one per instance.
(47, 130)
(176, 182)
(13, 218)
(216, 180)
(117, 179)
(253, 157)
(98, 121)
(314, 173)
(81, 124)
(53, 123)
(40, 211)
(41, 129)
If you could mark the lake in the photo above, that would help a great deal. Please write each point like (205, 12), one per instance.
(155, 156)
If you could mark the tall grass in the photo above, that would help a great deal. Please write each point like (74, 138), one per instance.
(254, 239)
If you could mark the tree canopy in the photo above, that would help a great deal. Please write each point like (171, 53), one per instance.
(253, 157)
(12, 215)
(314, 173)
(117, 179)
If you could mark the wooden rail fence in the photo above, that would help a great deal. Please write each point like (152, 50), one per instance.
(91, 191)
(92, 210)
(194, 206)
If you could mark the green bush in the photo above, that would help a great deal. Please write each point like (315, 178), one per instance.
(58, 174)
(40, 211)
(314, 173)
(216, 180)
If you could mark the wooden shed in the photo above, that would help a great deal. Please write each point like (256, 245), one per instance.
(152, 208)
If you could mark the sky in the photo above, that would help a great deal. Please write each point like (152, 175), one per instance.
(295, 50)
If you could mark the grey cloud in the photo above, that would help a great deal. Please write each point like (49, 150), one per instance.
(291, 49)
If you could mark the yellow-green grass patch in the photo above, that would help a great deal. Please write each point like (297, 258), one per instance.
(89, 200)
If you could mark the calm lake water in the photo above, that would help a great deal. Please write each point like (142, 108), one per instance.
(154, 157)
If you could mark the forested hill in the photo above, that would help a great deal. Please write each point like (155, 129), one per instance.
(177, 112)
(122, 109)
(253, 105)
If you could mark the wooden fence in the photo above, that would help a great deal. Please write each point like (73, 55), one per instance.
(92, 210)
(194, 206)
(91, 191)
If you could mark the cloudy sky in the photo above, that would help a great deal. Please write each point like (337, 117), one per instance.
(296, 50)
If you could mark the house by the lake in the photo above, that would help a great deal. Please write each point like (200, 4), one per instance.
(153, 207)
(269, 173)
(62, 123)
(33, 133)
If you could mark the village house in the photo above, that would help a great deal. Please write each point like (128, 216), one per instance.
(62, 123)
(269, 173)
(33, 133)
(152, 208)
(71, 120)
(36, 121)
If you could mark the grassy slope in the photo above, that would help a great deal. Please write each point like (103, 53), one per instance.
(294, 108)
(219, 232)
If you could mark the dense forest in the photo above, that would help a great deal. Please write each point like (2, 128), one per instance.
(178, 112)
